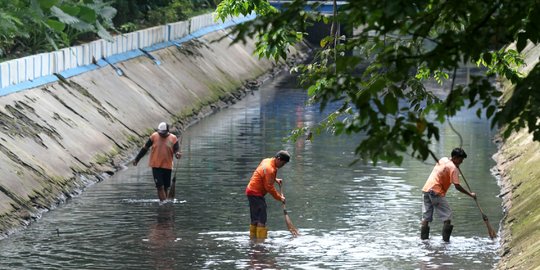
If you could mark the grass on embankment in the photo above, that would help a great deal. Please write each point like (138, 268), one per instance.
(522, 220)
(519, 162)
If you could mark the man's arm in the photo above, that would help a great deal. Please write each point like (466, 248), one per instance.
(143, 151)
(464, 191)
(176, 150)
(269, 180)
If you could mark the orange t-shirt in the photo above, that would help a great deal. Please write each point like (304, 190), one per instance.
(263, 179)
(443, 175)
(162, 151)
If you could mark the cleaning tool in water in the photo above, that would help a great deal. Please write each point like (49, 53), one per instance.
(288, 221)
(492, 233)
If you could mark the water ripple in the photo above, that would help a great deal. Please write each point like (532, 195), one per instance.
(349, 216)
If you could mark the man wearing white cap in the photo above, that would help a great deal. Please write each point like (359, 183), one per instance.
(163, 146)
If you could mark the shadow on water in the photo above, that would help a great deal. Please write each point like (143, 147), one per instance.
(349, 217)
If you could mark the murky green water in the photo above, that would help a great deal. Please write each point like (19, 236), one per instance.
(350, 217)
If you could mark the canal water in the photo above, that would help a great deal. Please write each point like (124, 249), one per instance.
(349, 216)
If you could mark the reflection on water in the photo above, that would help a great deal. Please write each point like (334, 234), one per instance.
(161, 238)
(349, 217)
(260, 257)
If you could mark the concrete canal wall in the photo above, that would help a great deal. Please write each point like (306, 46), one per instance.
(518, 160)
(58, 138)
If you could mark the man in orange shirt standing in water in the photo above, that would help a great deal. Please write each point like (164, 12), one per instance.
(262, 181)
(163, 146)
(444, 174)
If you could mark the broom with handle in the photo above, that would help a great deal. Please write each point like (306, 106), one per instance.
(492, 233)
(172, 191)
(288, 221)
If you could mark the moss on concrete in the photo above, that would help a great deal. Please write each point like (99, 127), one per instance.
(58, 138)
(518, 160)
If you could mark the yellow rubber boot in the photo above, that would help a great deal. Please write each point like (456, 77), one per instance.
(262, 232)
(252, 231)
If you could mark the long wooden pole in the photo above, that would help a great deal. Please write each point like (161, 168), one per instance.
(492, 233)
(172, 192)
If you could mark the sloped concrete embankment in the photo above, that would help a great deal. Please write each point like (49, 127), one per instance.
(518, 162)
(58, 138)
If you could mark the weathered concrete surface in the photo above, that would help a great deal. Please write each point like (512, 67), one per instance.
(56, 139)
(517, 161)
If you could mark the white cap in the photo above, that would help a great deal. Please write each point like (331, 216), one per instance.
(162, 128)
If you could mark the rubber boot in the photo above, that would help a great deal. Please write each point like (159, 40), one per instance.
(262, 232)
(424, 232)
(252, 231)
(446, 232)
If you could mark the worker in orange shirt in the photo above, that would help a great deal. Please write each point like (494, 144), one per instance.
(262, 181)
(444, 174)
(163, 145)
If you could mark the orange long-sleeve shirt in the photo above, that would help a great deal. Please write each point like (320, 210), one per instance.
(263, 179)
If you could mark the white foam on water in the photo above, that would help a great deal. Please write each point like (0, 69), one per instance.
(151, 201)
(350, 249)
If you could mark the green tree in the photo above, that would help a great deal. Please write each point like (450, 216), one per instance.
(173, 11)
(376, 72)
(9, 24)
(40, 25)
(136, 14)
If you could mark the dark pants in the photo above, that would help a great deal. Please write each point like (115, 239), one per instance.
(162, 177)
(257, 209)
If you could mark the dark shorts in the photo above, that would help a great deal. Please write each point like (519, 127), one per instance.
(257, 209)
(162, 177)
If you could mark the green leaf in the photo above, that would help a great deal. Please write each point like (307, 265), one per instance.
(47, 4)
(103, 33)
(87, 14)
(325, 41)
(108, 13)
(490, 111)
(70, 9)
(63, 16)
(325, 19)
(391, 103)
(377, 85)
(56, 25)
(83, 27)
